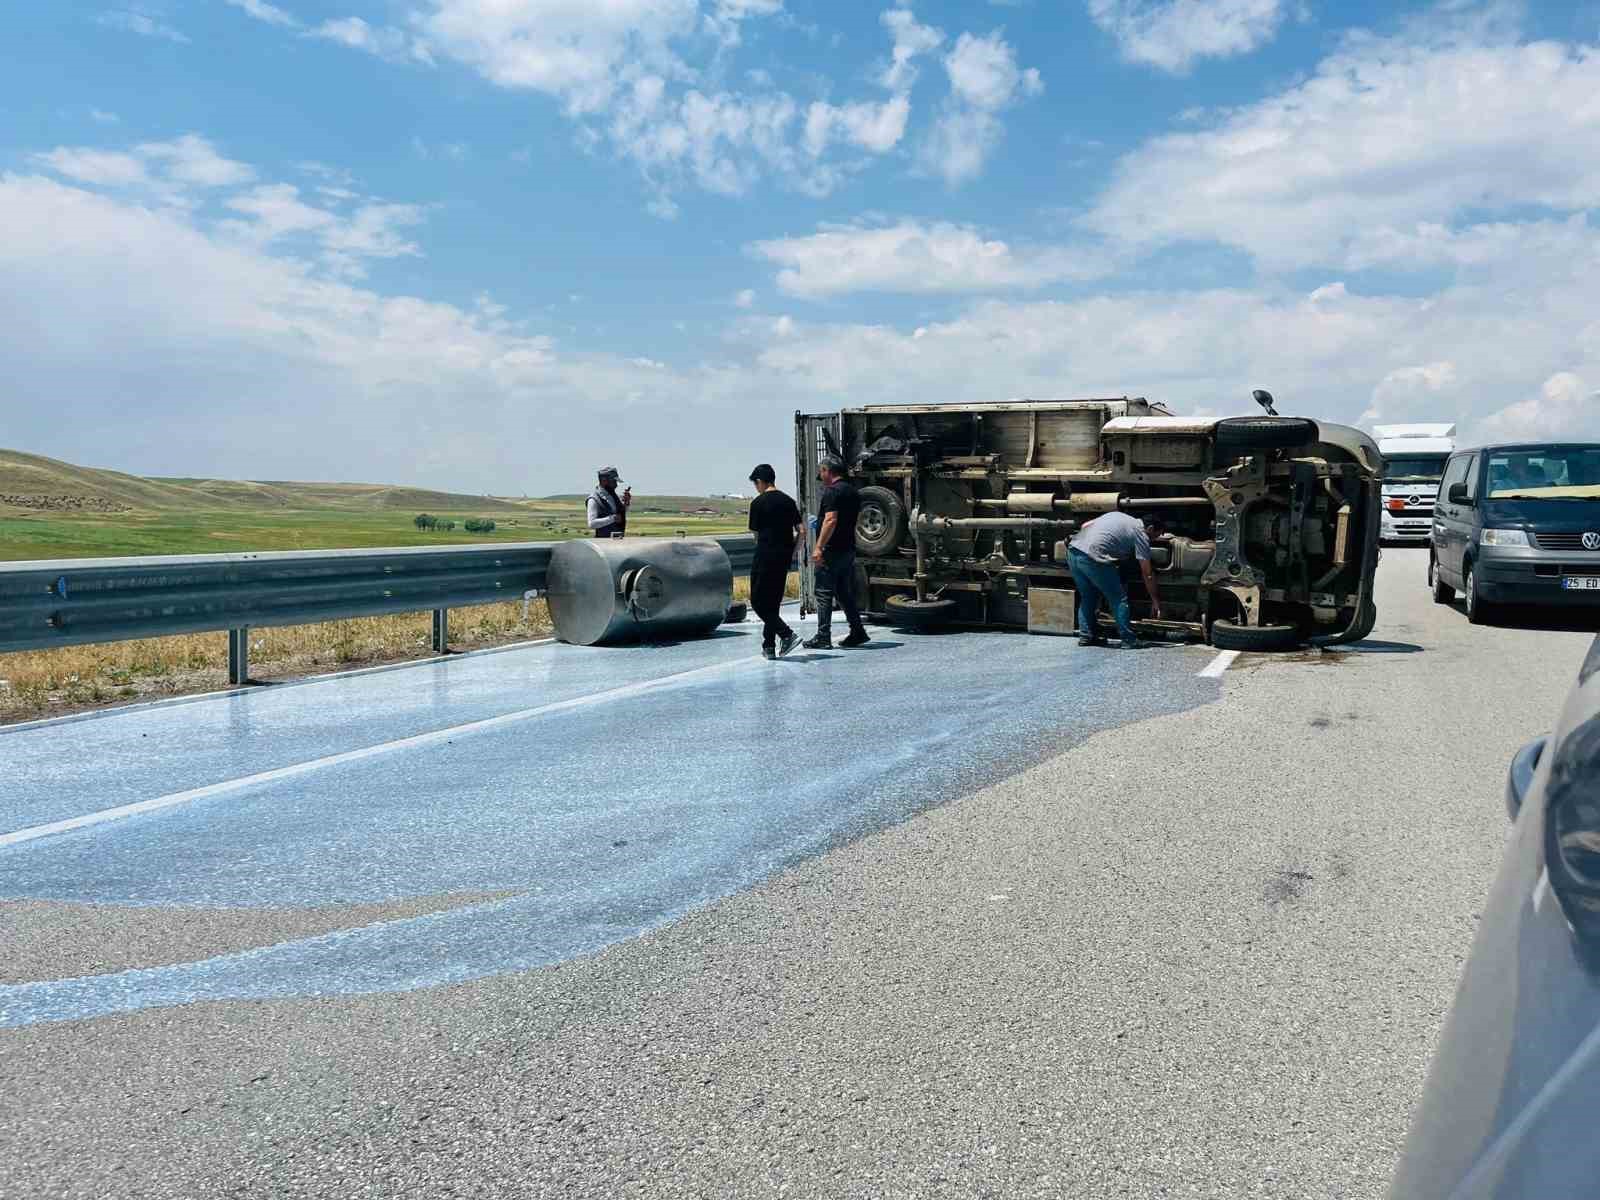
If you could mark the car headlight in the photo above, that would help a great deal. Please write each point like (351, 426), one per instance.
(1502, 537)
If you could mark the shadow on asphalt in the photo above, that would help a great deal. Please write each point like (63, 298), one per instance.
(1546, 620)
(1372, 647)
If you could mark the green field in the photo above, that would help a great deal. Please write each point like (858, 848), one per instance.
(50, 510)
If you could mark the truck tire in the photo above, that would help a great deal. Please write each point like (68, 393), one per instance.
(1225, 635)
(881, 524)
(1443, 593)
(910, 613)
(1265, 433)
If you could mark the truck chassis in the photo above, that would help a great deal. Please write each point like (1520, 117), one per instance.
(1270, 524)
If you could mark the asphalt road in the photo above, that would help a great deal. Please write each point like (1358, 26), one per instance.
(1091, 926)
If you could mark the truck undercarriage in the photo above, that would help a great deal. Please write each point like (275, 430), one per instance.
(1268, 525)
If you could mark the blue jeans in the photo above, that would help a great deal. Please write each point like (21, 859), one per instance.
(1095, 580)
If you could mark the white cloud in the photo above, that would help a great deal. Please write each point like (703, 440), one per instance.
(745, 299)
(178, 172)
(726, 17)
(876, 128)
(262, 11)
(984, 81)
(576, 50)
(644, 80)
(385, 42)
(373, 231)
(450, 151)
(1388, 144)
(140, 316)
(184, 173)
(1410, 393)
(1326, 354)
(141, 22)
(911, 40)
(912, 257)
(984, 74)
(194, 161)
(1566, 407)
(143, 318)
(1172, 34)
(100, 167)
(276, 211)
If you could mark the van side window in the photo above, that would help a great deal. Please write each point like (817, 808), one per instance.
(1472, 477)
(1455, 472)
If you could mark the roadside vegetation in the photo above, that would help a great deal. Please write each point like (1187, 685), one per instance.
(51, 510)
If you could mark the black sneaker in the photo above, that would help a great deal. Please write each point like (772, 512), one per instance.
(1091, 641)
(768, 652)
(788, 643)
(1134, 644)
(858, 637)
(818, 642)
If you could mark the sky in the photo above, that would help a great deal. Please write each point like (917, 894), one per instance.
(490, 245)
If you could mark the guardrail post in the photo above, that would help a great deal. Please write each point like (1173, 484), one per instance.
(239, 655)
(441, 631)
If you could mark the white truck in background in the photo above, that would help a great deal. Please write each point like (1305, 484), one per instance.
(1413, 462)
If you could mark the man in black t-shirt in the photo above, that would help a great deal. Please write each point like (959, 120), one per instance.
(835, 557)
(775, 521)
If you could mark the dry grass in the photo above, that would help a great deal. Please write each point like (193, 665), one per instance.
(44, 683)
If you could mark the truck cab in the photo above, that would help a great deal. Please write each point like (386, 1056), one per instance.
(1413, 462)
(1269, 525)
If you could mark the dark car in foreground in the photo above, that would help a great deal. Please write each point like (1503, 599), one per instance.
(1518, 524)
(1512, 1104)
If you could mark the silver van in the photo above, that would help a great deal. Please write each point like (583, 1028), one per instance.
(1518, 524)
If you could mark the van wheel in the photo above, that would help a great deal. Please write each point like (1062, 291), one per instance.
(1264, 433)
(1225, 635)
(1443, 593)
(881, 523)
(911, 613)
(1479, 610)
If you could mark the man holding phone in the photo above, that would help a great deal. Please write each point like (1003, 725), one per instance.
(608, 511)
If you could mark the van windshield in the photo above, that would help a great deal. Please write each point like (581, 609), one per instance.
(1413, 468)
(1549, 473)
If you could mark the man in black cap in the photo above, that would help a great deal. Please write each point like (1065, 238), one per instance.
(608, 512)
(775, 521)
(835, 557)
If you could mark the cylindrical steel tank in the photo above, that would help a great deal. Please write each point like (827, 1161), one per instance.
(618, 589)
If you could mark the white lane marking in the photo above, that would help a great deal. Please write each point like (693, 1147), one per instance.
(316, 764)
(1219, 664)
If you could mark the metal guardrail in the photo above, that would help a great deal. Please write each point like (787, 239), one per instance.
(70, 602)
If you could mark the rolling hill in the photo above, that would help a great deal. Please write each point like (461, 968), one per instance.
(33, 483)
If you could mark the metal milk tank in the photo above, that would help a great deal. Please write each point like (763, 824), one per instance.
(603, 590)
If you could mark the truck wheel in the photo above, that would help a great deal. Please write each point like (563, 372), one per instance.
(1265, 433)
(1443, 593)
(911, 613)
(881, 524)
(1225, 635)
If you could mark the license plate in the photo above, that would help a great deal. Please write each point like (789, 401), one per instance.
(1581, 583)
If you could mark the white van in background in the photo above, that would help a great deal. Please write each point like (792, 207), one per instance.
(1413, 461)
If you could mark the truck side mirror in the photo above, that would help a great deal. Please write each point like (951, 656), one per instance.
(1264, 399)
(1458, 494)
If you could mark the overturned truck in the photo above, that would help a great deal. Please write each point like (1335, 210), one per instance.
(1270, 523)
